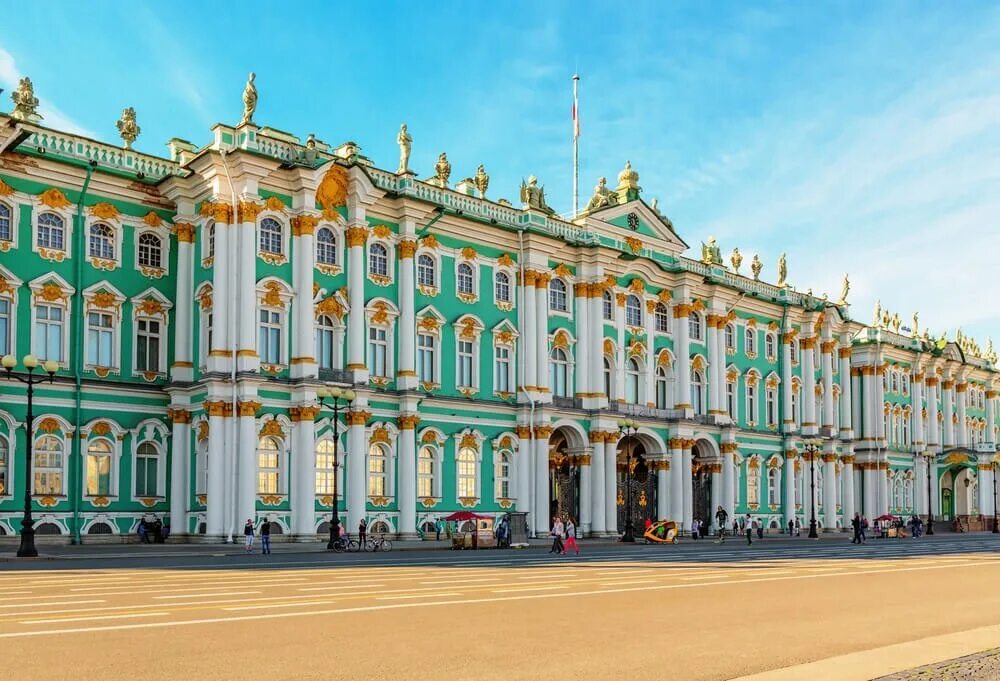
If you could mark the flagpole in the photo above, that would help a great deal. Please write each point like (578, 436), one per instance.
(576, 148)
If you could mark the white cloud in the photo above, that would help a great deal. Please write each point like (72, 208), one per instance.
(52, 116)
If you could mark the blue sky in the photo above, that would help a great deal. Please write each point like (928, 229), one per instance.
(857, 137)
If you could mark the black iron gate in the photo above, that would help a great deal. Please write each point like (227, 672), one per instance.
(565, 480)
(701, 495)
(643, 485)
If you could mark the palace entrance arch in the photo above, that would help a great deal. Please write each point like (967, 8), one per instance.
(636, 473)
(566, 447)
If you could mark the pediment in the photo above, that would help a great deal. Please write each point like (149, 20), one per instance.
(636, 218)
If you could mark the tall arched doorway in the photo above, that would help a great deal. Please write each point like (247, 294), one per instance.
(565, 449)
(635, 475)
(702, 465)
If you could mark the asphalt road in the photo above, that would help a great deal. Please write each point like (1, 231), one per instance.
(699, 611)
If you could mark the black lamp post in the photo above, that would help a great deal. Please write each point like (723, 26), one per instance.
(335, 395)
(930, 516)
(996, 530)
(27, 548)
(628, 427)
(812, 446)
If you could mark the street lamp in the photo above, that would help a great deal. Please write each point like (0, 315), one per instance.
(628, 427)
(930, 516)
(335, 395)
(812, 446)
(30, 362)
(996, 530)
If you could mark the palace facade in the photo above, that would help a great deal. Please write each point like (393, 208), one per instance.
(196, 304)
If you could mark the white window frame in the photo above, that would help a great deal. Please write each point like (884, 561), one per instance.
(163, 246)
(607, 306)
(282, 237)
(750, 341)
(64, 253)
(637, 376)
(110, 241)
(465, 279)
(633, 304)
(503, 367)
(752, 395)
(661, 313)
(279, 469)
(435, 357)
(696, 323)
(390, 255)
(729, 338)
(159, 485)
(113, 456)
(328, 471)
(207, 244)
(13, 215)
(433, 268)
(36, 469)
(388, 475)
(554, 295)
(555, 367)
(477, 459)
(327, 247)
(498, 478)
(508, 302)
(434, 478)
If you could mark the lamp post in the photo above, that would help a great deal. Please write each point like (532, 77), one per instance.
(812, 446)
(30, 362)
(335, 395)
(628, 427)
(993, 463)
(930, 515)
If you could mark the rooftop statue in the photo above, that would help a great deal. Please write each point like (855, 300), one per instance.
(249, 100)
(844, 288)
(481, 180)
(602, 196)
(736, 259)
(710, 254)
(405, 141)
(756, 266)
(533, 196)
(443, 170)
(128, 128)
(25, 102)
(782, 272)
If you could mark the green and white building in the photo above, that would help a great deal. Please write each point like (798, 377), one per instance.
(196, 303)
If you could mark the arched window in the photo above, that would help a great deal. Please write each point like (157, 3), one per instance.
(632, 374)
(730, 338)
(895, 382)
(378, 471)
(268, 465)
(697, 391)
(150, 250)
(6, 233)
(501, 288)
(753, 483)
(731, 399)
(426, 473)
(501, 368)
(326, 246)
(750, 340)
(426, 347)
(795, 405)
(466, 463)
(426, 271)
(771, 397)
(661, 388)
(607, 306)
(502, 476)
(465, 281)
(325, 341)
(769, 346)
(694, 326)
(607, 378)
(559, 373)
(793, 351)
(51, 232)
(211, 240)
(661, 316)
(633, 311)
(378, 260)
(557, 295)
(269, 334)
(271, 236)
(326, 467)
(98, 468)
(147, 463)
(773, 487)
(102, 242)
(752, 402)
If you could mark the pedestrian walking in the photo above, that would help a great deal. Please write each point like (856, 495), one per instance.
(791, 528)
(437, 529)
(720, 519)
(856, 527)
(694, 528)
(798, 527)
(248, 535)
(748, 529)
(362, 533)
(760, 528)
(571, 537)
(557, 535)
(265, 538)
(864, 529)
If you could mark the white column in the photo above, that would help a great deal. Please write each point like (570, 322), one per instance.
(622, 350)
(586, 494)
(947, 406)
(729, 480)
(180, 456)
(243, 248)
(246, 466)
(787, 338)
(826, 364)
(528, 353)
(542, 496)
(919, 484)
(215, 511)
(598, 517)
(935, 490)
(716, 387)
(357, 235)
(916, 413)
(222, 307)
(524, 451)
(303, 468)
(717, 494)
(582, 364)
(962, 435)
(829, 489)
(356, 460)
(872, 408)
(985, 487)
(846, 394)
(662, 490)
(868, 485)
(406, 367)
(649, 384)
(596, 331)
(720, 352)
(883, 481)
(847, 475)
(611, 481)
(542, 339)
(933, 434)
(858, 397)
(183, 366)
(407, 462)
(808, 399)
(686, 484)
(304, 360)
(677, 479)
(788, 476)
(682, 358)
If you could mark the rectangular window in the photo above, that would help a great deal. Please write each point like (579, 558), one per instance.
(270, 337)
(49, 320)
(376, 476)
(425, 474)
(465, 364)
(98, 475)
(145, 476)
(147, 345)
(731, 400)
(100, 339)
(425, 358)
(267, 472)
(324, 346)
(48, 472)
(501, 376)
(324, 471)
(772, 408)
(5, 339)
(377, 351)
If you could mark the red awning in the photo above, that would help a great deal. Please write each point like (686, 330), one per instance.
(461, 516)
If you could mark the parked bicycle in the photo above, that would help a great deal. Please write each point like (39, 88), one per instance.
(346, 544)
(379, 543)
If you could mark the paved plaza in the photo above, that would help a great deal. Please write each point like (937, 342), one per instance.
(695, 611)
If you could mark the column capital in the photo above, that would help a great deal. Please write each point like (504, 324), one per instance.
(598, 436)
(408, 421)
(847, 459)
(406, 248)
(808, 343)
(829, 457)
(543, 432)
(961, 387)
(728, 447)
(947, 384)
(179, 415)
(248, 408)
(184, 231)
(356, 235)
(844, 353)
(932, 381)
(247, 211)
(676, 443)
(217, 408)
(524, 432)
(221, 211)
(789, 335)
(358, 418)
(827, 347)
(303, 413)
(304, 225)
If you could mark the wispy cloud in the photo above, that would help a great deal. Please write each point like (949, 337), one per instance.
(52, 116)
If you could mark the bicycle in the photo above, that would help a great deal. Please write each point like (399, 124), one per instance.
(379, 543)
(345, 544)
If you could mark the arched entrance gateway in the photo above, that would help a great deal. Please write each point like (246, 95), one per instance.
(959, 488)
(636, 473)
(705, 462)
(567, 446)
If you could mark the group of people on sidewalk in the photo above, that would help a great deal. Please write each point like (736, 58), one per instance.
(563, 536)
(265, 536)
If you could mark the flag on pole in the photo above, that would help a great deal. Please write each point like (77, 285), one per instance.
(576, 112)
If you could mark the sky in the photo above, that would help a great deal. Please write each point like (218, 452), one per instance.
(856, 137)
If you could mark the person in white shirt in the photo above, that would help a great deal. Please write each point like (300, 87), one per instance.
(748, 529)
(557, 536)
(571, 537)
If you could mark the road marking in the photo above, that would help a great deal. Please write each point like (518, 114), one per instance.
(640, 581)
(463, 580)
(713, 576)
(218, 593)
(96, 617)
(386, 598)
(45, 605)
(338, 587)
(528, 588)
(277, 605)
